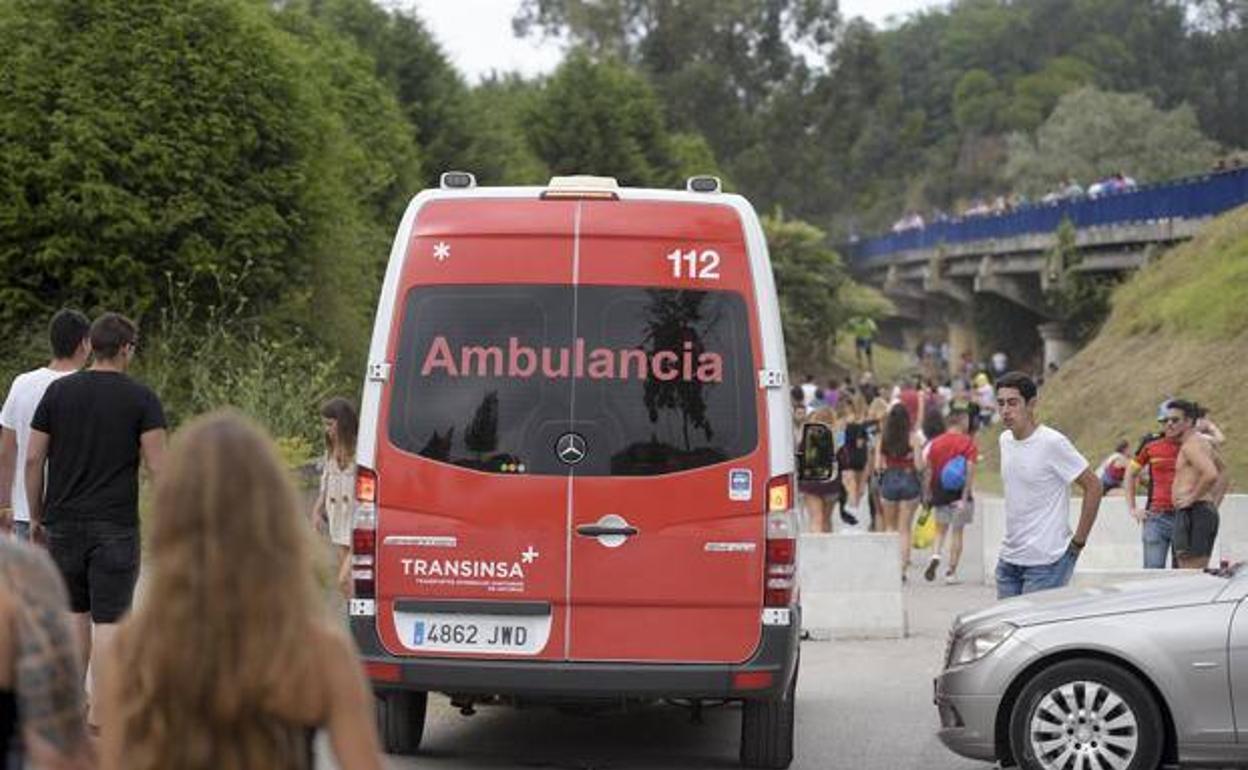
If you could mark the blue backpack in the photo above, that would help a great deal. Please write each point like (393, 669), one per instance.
(953, 475)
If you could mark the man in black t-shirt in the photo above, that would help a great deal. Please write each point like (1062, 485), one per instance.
(93, 427)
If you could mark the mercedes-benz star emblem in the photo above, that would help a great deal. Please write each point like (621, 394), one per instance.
(570, 448)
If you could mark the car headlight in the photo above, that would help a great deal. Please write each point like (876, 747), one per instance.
(970, 647)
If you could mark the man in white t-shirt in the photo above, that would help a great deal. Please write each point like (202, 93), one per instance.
(1038, 465)
(70, 349)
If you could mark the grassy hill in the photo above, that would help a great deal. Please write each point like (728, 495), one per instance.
(1178, 328)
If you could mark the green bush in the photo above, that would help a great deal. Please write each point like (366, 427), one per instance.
(200, 358)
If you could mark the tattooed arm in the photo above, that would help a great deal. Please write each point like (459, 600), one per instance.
(47, 673)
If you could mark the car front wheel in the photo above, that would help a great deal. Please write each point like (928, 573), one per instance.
(1086, 713)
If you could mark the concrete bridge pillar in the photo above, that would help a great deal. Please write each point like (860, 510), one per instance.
(961, 339)
(1058, 345)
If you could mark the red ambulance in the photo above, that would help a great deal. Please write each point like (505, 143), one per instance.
(576, 458)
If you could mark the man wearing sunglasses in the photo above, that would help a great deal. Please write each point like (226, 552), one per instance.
(1157, 518)
(1197, 474)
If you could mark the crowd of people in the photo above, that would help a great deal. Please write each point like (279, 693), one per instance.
(908, 451)
(1179, 520)
(187, 677)
(899, 447)
(1068, 189)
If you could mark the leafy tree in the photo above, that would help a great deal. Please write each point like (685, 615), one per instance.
(1092, 134)
(602, 118)
(500, 152)
(187, 143)
(1035, 95)
(432, 95)
(138, 139)
(809, 279)
(977, 102)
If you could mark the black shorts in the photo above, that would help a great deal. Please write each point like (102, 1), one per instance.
(854, 460)
(100, 565)
(863, 344)
(1195, 529)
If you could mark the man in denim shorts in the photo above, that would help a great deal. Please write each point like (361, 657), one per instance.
(1038, 465)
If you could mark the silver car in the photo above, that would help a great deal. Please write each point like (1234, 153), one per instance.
(1124, 677)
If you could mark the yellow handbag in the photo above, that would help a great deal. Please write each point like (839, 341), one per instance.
(924, 531)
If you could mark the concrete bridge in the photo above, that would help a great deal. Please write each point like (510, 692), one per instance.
(935, 275)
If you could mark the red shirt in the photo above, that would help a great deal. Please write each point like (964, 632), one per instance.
(944, 448)
(1159, 457)
(909, 398)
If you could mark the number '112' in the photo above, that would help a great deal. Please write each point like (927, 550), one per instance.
(692, 264)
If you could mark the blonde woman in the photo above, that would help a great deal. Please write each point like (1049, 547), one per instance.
(854, 455)
(819, 497)
(335, 504)
(231, 660)
(876, 412)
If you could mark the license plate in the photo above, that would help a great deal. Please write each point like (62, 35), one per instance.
(453, 632)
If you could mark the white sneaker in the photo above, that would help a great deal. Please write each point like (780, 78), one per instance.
(951, 579)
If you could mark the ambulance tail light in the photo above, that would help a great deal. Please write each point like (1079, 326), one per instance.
(364, 536)
(780, 575)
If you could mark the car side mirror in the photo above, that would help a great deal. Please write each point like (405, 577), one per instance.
(816, 460)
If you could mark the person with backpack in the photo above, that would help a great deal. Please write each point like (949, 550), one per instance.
(950, 459)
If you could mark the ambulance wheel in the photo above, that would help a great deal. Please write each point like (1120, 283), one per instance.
(767, 730)
(401, 720)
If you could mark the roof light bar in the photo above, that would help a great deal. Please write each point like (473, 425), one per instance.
(579, 187)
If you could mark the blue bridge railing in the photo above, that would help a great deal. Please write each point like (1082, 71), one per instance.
(1191, 197)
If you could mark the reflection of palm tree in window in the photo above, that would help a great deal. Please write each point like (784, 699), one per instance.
(438, 447)
(672, 321)
(481, 435)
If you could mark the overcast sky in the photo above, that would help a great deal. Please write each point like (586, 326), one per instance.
(476, 34)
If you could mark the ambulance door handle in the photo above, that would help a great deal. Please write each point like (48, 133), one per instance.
(598, 530)
(611, 531)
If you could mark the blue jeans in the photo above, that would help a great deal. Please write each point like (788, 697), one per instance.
(1158, 536)
(1015, 579)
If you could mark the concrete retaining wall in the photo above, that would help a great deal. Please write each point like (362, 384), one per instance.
(851, 586)
(1115, 540)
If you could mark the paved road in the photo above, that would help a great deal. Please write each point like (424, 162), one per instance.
(861, 705)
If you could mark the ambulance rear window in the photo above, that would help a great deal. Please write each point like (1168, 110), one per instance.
(652, 381)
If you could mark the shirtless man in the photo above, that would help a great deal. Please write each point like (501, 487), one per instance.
(1198, 480)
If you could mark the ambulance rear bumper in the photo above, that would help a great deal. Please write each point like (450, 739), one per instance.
(763, 676)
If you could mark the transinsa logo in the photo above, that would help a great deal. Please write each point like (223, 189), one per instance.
(516, 360)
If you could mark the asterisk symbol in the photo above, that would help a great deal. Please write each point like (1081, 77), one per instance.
(528, 556)
(441, 251)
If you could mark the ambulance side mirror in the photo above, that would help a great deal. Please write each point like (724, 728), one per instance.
(816, 460)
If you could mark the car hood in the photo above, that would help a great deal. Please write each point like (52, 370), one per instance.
(1071, 603)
